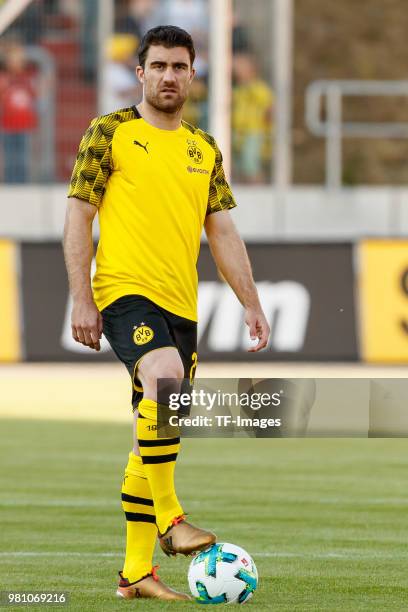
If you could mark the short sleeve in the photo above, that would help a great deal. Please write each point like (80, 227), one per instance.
(93, 164)
(220, 195)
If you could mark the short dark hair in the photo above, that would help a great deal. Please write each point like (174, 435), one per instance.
(166, 36)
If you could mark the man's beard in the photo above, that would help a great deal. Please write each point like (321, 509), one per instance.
(170, 106)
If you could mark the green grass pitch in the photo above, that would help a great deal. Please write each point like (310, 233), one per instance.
(326, 520)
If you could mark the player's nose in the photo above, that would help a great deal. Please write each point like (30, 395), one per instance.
(169, 76)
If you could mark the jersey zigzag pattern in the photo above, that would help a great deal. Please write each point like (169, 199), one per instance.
(94, 160)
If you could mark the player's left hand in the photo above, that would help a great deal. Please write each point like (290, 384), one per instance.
(258, 328)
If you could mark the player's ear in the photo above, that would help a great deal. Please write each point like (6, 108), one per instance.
(192, 74)
(140, 73)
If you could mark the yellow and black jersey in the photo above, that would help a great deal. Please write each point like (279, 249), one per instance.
(153, 189)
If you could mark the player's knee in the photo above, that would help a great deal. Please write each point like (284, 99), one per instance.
(170, 369)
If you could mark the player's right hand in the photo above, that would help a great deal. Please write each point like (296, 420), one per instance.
(86, 324)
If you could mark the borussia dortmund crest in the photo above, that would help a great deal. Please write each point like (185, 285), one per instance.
(142, 334)
(194, 153)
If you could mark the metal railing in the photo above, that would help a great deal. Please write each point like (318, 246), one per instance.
(334, 129)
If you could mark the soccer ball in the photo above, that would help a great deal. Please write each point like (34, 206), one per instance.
(223, 573)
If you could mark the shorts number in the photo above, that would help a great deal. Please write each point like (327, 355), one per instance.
(194, 358)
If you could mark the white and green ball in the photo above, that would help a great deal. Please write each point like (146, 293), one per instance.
(224, 573)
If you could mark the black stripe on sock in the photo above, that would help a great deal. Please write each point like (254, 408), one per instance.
(136, 500)
(160, 458)
(140, 517)
(164, 442)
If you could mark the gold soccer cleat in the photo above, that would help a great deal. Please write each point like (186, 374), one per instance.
(149, 586)
(182, 537)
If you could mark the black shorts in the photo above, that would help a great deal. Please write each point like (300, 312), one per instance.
(134, 326)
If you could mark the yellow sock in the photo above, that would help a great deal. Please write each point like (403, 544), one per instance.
(141, 529)
(159, 461)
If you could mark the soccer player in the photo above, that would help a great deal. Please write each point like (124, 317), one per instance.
(155, 181)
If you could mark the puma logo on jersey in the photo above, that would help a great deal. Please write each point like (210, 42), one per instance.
(139, 144)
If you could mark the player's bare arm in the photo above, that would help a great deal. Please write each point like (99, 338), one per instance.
(86, 320)
(231, 258)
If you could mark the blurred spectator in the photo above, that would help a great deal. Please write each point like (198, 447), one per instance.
(252, 105)
(191, 15)
(18, 114)
(240, 35)
(120, 84)
(136, 16)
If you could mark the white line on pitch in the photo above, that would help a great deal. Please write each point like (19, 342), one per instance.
(331, 555)
(58, 554)
(115, 503)
(68, 503)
